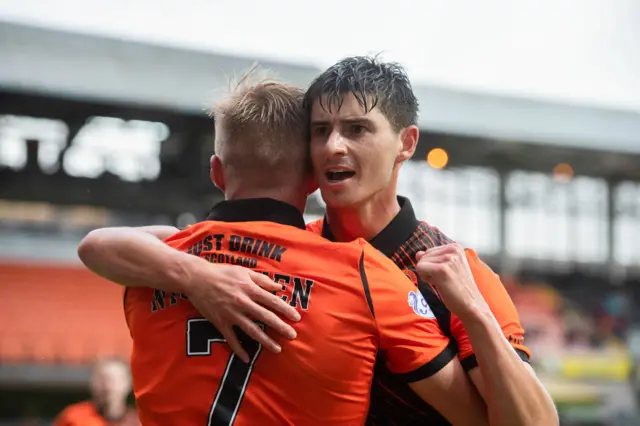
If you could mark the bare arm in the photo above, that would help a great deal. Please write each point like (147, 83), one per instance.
(227, 295)
(450, 392)
(412, 342)
(161, 232)
(136, 257)
(513, 394)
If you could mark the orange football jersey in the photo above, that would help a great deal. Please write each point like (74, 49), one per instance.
(392, 401)
(185, 374)
(422, 237)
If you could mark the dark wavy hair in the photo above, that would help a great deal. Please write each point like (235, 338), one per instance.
(373, 83)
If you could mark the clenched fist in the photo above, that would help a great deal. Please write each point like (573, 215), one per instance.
(446, 268)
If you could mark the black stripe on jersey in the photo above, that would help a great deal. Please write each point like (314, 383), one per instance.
(442, 314)
(471, 362)
(432, 367)
(365, 284)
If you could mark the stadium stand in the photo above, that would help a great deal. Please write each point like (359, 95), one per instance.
(57, 314)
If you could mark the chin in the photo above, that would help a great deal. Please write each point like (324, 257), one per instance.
(340, 200)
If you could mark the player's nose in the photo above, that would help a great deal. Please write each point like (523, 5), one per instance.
(336, 144)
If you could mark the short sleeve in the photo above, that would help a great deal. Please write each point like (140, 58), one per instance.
(411, 341)
(502, 307)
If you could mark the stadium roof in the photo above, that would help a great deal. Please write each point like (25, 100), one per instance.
(108, 69)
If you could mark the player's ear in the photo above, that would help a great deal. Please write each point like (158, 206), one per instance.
(409, 141)
(216, 173)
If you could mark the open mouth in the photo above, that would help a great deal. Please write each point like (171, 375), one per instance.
(339, 175)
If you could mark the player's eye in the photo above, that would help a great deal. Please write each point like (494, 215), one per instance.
(358, 129)
(319, 131)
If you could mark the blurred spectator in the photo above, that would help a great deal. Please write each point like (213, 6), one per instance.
(110, 387)
(615, 313)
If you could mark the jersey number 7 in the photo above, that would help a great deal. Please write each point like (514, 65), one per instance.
(201, 335)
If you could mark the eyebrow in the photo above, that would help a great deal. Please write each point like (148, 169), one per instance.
(354, 120)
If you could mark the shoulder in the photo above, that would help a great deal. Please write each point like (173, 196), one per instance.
(434, 237)
(492, 289)
(433, 234)
(314, 244)
(188, 231)
(423, 237)
(373, 260)
(477, 265)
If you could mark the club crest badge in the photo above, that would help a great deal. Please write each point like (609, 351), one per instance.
(420, 305)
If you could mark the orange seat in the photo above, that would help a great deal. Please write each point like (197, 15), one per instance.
(44, 350)
(59, 314)
(11, 348)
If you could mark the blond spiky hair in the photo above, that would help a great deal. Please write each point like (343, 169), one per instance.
(261, 122)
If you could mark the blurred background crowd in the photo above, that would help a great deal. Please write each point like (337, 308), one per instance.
(102, 123)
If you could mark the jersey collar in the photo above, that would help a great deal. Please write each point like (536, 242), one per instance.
(393, 235)
(257, 210)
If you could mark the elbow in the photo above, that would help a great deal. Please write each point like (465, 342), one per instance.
(89, 248)
(547, 411)
(541, 417)
(542, 413)
(545, 414)
(552, 418)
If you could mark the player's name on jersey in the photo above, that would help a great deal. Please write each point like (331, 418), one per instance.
(245, 251)
(220, 248)
(295, 291)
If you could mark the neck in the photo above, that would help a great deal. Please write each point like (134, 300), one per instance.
(365, 220)
(281, 193)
